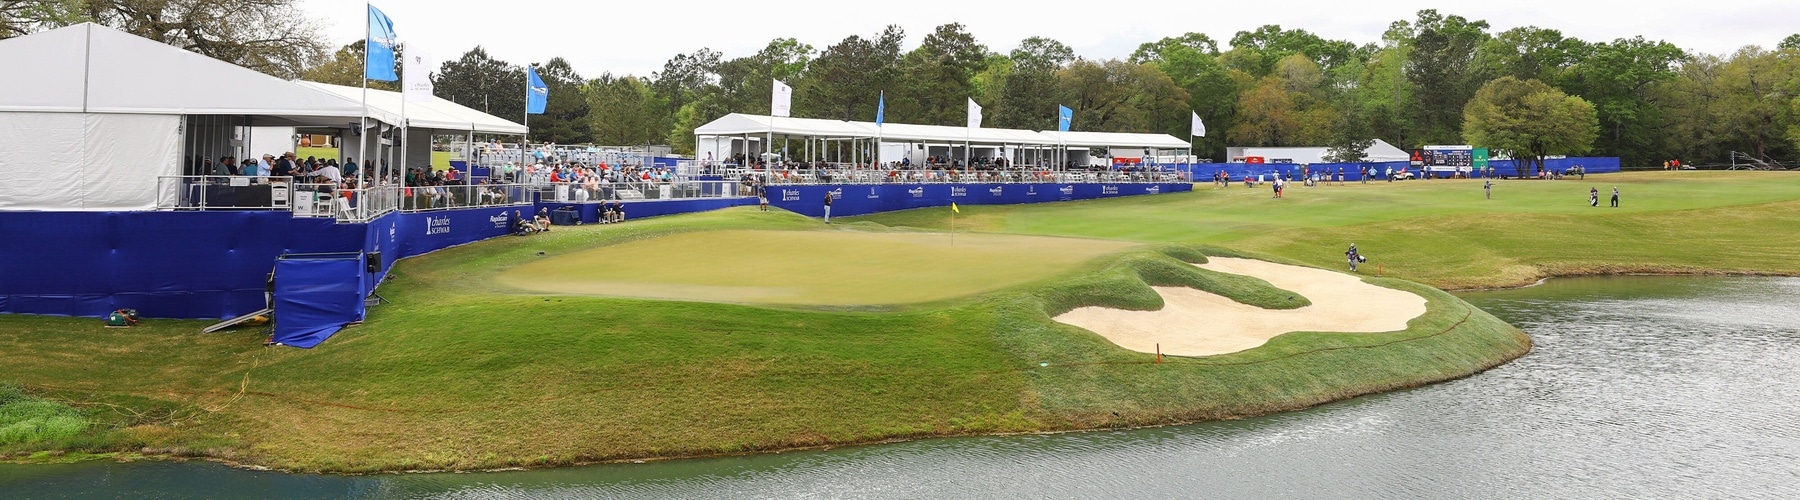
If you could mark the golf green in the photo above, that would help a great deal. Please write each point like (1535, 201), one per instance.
(827, 268)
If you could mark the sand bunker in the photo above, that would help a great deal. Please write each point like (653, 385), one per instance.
(1196, 323)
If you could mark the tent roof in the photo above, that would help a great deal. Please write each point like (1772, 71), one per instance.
(89, 68)
(438, 113)
(1116, 139)
(742, 124)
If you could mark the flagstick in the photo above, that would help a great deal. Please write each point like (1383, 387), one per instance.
(952, 225)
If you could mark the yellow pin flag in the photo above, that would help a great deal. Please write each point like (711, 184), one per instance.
(954, 209)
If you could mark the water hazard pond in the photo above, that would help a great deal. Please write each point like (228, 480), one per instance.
(1638, 387)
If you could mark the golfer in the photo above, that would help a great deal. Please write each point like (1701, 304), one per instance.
(827, 207)
(1488, 187)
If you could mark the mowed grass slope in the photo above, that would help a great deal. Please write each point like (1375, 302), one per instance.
(821, 268)
(1443, 233)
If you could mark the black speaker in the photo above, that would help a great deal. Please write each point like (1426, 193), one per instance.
(374, 262)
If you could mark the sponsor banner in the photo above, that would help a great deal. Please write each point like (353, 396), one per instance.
(860, 199)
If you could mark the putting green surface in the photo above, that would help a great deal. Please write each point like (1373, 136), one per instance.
(830, 268)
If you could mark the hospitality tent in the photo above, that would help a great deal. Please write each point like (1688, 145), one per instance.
(423, 119)
(91, 116)
(717, 137)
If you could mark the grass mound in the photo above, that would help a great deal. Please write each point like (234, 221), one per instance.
(26, 419)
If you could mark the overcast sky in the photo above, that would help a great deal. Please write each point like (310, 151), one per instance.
(636, 37)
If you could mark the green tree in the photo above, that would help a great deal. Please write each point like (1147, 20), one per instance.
(1027, 96)
(1256, 52)
(1118, 96)
(939, 77)
(345, 67)
(843, 83)
(565, 118)
(1620, 78)
(1159, 50)
(1530, 52)
(1529, 120)
(1192, 62)
(481, 82)
(1440, 67)
(621, 109)
(271, 36)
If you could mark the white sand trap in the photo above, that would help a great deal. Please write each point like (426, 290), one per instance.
(1196, 323)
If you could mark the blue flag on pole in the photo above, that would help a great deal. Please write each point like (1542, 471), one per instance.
(379, 65)
(537, 95)
(881, 108)
(1064, 115)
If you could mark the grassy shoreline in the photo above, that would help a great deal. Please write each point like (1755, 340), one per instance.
(464, 373)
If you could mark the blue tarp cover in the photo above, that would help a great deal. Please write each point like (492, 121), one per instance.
(316, 297)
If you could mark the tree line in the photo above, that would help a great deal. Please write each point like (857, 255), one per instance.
(1435, 79)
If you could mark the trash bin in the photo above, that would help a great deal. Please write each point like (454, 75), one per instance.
(565, 217)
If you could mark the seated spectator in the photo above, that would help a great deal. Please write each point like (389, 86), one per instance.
(543, 220)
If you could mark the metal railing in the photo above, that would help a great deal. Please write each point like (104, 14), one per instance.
(327, 200)
(576, 192)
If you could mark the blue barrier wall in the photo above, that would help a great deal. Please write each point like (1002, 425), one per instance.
(1203, 172)
(215, 264)
(315, 296)
(164, 264)
(860, 199)
(589, 212)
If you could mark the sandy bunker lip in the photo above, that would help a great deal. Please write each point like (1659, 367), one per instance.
(1197, 323)
(824, 268)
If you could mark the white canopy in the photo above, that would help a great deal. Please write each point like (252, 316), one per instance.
(1114, 139)
(742, 124)
(89, 68)
(438, 113)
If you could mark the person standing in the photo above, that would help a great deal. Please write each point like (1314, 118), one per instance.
(1593, 197)
(827, 207)
(1487, 187)
(1615, 197)
(762, 196)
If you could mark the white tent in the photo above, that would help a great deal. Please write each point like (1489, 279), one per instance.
(437, 114)
(1115, 139)
(91, 116)
(741, 124)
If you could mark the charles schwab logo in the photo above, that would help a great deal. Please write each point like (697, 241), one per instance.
(790, 195)
(1068, 190)
(959, 191)
(437, 225)
(1153, 189)
(1031, 190)
(499, 220)
(1106, 190)
(873, 194)
(997, 190)
(918, 192)
(836, 194)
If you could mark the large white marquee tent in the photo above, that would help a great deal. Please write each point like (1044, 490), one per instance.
(92, 116)
(738, 133)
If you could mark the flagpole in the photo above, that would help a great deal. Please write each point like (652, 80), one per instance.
(362, 134)
(405, 130)
(525, 139)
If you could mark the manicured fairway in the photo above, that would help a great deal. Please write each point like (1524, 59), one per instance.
(829, 268)
(1444, 233)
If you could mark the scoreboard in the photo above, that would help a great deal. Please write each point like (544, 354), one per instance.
(1447, 157)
